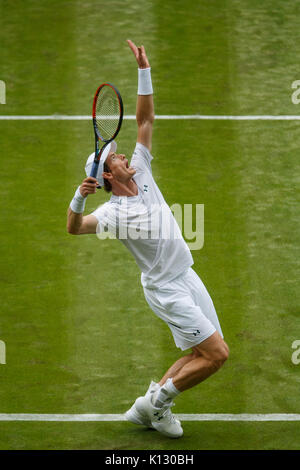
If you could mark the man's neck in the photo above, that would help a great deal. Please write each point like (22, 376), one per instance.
(128, 189)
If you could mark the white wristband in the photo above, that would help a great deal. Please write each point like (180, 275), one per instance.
(144, 82)
(78, 202)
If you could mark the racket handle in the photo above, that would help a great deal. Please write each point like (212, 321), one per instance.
(94, 169)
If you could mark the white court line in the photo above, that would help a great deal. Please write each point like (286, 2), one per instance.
(63, 117)
(121, 417)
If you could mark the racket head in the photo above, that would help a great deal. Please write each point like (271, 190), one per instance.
(107, 112)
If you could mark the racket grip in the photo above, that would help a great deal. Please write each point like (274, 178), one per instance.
(94, 169)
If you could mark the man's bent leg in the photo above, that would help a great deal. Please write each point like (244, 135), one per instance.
(176, 367)
(208, 357)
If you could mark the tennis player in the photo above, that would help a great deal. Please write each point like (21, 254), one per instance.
(172, 288)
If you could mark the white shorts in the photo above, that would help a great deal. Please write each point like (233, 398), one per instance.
(185, 305)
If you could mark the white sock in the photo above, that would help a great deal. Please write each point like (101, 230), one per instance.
(153, 387)
(165, 393)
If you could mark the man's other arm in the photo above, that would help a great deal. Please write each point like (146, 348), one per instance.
(77, 223)
(145, 105)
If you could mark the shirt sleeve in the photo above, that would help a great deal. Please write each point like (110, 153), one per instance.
(141, 158)
(101, 215)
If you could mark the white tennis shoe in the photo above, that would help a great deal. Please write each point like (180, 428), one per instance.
(139, 417)
(162, 419)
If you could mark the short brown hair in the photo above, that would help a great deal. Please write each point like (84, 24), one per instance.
(107, 185)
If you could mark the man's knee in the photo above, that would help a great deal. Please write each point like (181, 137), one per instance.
(217, 355)
(220, 355)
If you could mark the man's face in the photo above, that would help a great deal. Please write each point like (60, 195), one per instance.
(119, 167)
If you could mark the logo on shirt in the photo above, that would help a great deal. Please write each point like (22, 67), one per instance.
(145, 188)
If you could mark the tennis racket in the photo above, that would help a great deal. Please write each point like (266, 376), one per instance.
(107, 119)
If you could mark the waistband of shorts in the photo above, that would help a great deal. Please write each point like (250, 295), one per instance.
(161, 285)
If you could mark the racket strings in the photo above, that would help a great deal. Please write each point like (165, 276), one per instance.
(107, 112)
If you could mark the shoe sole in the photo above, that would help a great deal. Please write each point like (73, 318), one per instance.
(165, 433)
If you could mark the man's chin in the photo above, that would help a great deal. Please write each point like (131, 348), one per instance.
(132, 170)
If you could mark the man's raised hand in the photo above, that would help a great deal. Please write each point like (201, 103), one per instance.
(88, 186)
(140, 55)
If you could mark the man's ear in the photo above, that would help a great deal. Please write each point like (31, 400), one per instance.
(107, 175)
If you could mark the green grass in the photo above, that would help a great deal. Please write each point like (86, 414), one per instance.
(80, 337)
(122, 436)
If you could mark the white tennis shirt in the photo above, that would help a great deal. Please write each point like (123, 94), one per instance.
(146, 226)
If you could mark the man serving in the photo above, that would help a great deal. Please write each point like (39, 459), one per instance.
(172, 288)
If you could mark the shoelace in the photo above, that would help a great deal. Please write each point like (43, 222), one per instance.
(167, 413)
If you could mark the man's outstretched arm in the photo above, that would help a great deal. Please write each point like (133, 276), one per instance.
(145, 106)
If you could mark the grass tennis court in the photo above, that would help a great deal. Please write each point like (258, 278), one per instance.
(79, 335)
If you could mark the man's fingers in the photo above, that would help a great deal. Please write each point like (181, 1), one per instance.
(90, 179)
(89, 186)
(140, 54)
(131, 44)
(132, 47)
(89, 189)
